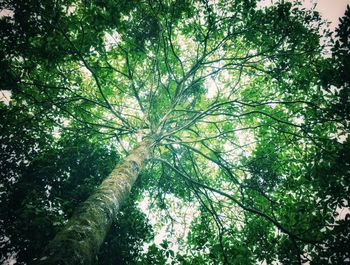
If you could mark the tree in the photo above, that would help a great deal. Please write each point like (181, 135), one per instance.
(218, 103)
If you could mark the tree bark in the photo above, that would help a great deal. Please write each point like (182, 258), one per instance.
(79, 241)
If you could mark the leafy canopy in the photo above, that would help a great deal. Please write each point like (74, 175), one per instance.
(250, 121)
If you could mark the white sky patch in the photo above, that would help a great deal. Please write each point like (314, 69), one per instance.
(341, 135)
(176, 146)
(5, 96)
(190, 99)
(11, 260)
(186, 46)
(125, 144)
(56, 132)
(131, 107)
(211, 87)
(174, 231)
(342, 212)
(6, 13)
(341, 138)
(245, 140)
(66, 122)
(330, 10)
(219, 84)
(212, 166)
(299, 120)
(112, 39)
(71, 9)
(85, 73)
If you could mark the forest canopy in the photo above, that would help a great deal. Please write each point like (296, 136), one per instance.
(173, 132)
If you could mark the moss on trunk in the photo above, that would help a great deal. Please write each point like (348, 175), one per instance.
(79, 241)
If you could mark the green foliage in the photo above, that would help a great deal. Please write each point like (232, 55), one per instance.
(249, 122)
(130, 230)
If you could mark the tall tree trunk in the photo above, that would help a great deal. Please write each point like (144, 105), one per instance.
(81, 238)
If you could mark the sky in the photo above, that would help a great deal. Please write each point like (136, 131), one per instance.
(330, 10)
